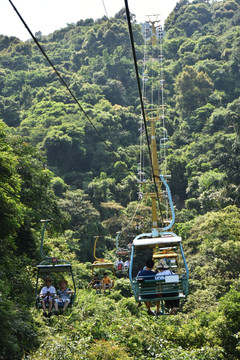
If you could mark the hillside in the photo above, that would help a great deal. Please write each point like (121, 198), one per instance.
(54, 164)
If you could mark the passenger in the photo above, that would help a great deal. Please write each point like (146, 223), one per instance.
(63, 294)
(47, 295)
(120, 265)
(148, 271)
(164, 271)
(96, 284)
(126, 265)
(107, 283)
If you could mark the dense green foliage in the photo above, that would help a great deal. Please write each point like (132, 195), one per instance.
(54, 165)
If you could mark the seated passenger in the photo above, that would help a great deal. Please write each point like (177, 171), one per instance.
(164, 271)
(63, 294)
(107, 283)
(96, 284)
(47, 297)
(148, 271)
(120, 265)
(126, 265)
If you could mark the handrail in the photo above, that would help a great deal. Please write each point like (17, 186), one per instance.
(51, 259)
(170, 203)
(94, 253)
(41, 245)
(118, 234)
(94, 249)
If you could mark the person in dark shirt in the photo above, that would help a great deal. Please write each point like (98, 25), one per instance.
(96, 283)
(148, 271)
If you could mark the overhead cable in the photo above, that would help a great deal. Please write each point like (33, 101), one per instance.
(105, 8)
(59, 75)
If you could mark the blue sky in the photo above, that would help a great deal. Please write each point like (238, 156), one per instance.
(50, 15)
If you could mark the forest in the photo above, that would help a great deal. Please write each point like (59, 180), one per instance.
(54, 165)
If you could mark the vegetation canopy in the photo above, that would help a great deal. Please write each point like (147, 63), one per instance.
(53, 165)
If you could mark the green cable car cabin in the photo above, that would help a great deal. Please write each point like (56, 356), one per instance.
(169, 287)
(57, 270)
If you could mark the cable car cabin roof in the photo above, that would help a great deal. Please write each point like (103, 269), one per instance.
(153, 242)
(54, 268)
(103, 265)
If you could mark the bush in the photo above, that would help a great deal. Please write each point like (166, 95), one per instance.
(124, 286)
(107, 350)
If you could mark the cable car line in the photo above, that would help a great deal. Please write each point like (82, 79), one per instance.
(59, 75)
(26, 204)
(141, 102)
(105, 8)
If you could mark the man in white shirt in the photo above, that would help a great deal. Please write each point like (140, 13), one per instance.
(47, 295)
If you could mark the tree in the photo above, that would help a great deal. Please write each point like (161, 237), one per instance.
(193, 89)
(233, 118)
(213, 246)
(11, 208)
(200, 117)
(25, 198)
(9, 111)
(227, 323)
(178, 183)
(84, 222)
(26, 96)
(207, 48)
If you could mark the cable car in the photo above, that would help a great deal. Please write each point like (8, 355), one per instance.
(161, 244)
(121, 251)
(138, 219)
(52, 266)
(122, 254)
(171, 287)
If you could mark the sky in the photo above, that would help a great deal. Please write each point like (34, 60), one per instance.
(50, 15)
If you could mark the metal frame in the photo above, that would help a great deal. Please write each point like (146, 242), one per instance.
(53, 265)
